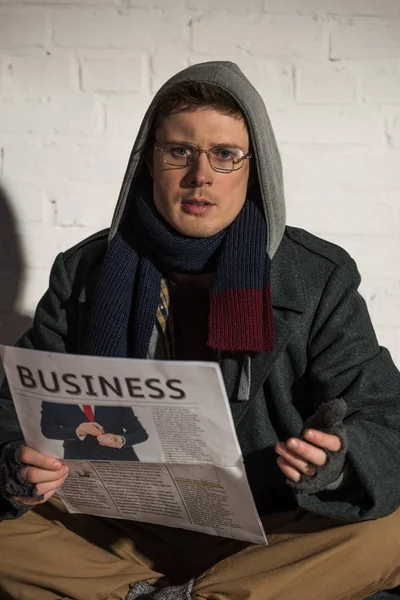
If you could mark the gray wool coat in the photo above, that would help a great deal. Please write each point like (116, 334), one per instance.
(325, 348)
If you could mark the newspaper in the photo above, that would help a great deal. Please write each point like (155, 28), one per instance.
(145, 440)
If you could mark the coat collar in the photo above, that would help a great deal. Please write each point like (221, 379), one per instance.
(287, 284)
(289, 293)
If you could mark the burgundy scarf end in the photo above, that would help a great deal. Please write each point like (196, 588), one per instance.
(241, 320)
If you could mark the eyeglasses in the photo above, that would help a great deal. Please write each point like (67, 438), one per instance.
(223, 159)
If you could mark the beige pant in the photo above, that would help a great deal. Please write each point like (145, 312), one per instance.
(48, 554)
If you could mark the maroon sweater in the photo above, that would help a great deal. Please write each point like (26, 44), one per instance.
(190, 307)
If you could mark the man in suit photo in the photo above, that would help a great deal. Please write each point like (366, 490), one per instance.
(93, 432)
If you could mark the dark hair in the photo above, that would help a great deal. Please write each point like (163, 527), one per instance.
(187, 96)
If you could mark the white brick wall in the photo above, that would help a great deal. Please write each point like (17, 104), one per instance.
(363, 37)
(117, 74)
(22, 27)
(325, 83)
(76, 77)
(393, 132)
(257, 35)
(382, 85)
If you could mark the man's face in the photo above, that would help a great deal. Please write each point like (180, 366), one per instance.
(196, 200)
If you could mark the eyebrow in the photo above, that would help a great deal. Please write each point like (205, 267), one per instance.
(214, 145)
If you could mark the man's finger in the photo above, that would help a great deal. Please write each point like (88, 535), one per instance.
(289, 471)
(43, 489)
(32, 457)
(35, 475)
(49, 486)
(92, 430)
(324, 440)
(292, 459)
(306, 451)
(29, 500)
(95, 429)
(100, 427)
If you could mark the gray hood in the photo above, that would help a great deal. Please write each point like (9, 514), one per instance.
(229, 77)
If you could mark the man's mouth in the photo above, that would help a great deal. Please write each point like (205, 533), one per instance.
(196, 205)
(196, 201)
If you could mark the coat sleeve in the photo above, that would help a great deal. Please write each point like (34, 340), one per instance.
(50, 331)
(134, 432)
(52, 424)
(345, 360)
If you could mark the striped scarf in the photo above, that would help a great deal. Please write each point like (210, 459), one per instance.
(127, 293)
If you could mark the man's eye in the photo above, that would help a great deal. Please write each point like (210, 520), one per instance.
(223, 154)
(180, 151)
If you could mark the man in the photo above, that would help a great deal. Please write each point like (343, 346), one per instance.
(93, 432)
(198, 264)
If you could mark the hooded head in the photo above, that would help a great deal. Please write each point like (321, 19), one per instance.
(199, 159)
(230, 122)
(202, 194)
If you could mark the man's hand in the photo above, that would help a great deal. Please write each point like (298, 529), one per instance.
(89, 429)
(46, 472)
(110, 440)
(297, 457)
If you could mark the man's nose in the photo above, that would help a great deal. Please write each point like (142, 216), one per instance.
(201, 172)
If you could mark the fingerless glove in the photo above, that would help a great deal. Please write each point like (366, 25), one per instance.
(11, 482)
(328, 419)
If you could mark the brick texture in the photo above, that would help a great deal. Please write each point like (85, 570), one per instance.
(117, 74)
(261, 35)
(339, 7)
(22, 27)
(394, 132)
(325, 84)
(365, 38)
(39, 75)
(382, 86)
(101, 29)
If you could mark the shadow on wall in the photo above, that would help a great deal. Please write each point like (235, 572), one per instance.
(12, 271)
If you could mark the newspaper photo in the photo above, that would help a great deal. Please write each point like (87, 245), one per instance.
(146, 440)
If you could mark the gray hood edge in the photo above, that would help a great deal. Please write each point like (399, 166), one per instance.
(229, 77)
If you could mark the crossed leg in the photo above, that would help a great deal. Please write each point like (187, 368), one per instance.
(49, 554)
